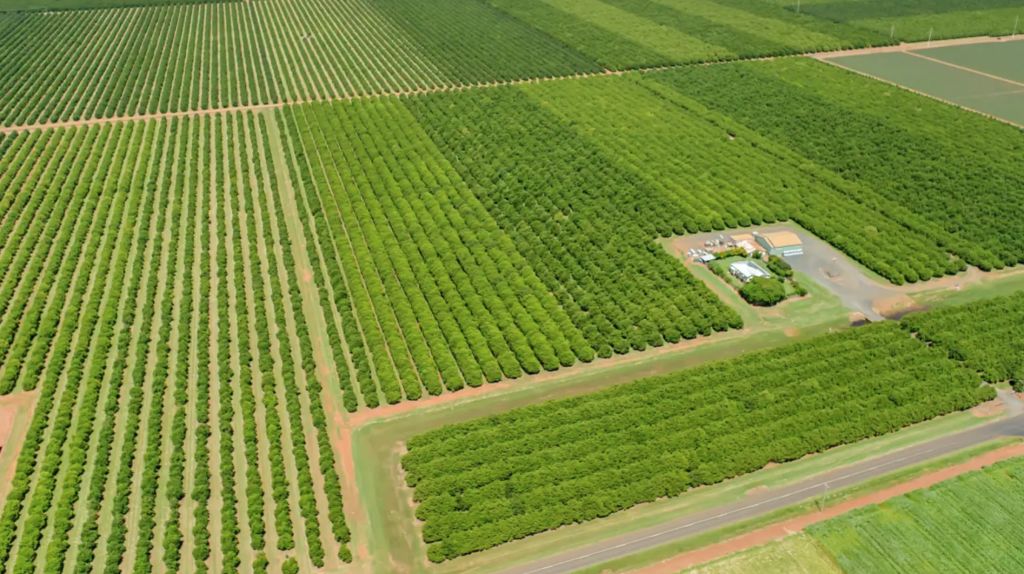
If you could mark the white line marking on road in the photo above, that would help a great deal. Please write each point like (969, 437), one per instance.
(748, 507)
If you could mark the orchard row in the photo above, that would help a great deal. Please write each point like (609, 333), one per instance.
(987, 335)
(165, 334)
(470, 237)
(950, 177)
(486, 482)
(83, 64)
(123, 62)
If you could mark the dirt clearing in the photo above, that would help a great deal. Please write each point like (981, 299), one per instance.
(15, 414)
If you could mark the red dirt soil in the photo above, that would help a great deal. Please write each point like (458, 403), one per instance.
(782, 529)
(341, 438)
(11, 408)
(363, 416)
(903, 47)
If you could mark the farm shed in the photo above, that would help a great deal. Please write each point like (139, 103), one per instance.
(746, 242)
(781, 243)
(747, 270)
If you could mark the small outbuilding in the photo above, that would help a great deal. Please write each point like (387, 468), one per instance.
(747, 270)
(781, 243)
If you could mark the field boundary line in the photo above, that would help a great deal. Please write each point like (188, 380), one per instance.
(820, 55)
(925, 94)
(966, 69)
(922, 45)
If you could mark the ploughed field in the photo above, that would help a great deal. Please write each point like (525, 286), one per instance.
(986, 77)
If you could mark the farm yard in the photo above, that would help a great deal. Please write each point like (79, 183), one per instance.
(365, 286)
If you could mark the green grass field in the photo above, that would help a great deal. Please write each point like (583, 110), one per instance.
(984, 77)
(936, 530)
(797, 554)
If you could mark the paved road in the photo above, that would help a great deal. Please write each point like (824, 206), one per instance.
(769, 500)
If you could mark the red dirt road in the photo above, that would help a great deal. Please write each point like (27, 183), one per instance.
(782, 529)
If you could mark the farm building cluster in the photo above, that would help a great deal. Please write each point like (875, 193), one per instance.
(753, 245)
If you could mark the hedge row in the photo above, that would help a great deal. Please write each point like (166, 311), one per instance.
(486, 482)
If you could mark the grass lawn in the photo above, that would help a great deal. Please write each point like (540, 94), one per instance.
(797, 554)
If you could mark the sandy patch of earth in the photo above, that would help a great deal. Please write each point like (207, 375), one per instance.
(12, 407)
(894, 305)
(15, 414)
(989, 409)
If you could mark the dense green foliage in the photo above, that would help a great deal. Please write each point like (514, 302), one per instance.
(950, 176)
(123, 62)
(492, 480)
(149, 56)
(446, 268)
(419, 211)
(763, 292)
(585, 225)
(470, 41)
(915, 20)
(439, 295)
(164, 332)
(971, 523)
(54, 5)
(629, 33)
(712, 173)
(987, 335)
(779, 266)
